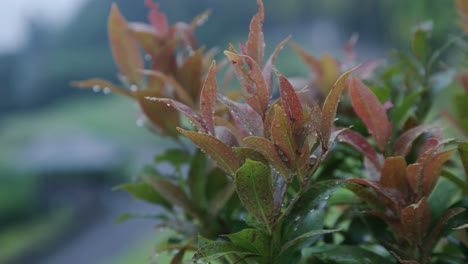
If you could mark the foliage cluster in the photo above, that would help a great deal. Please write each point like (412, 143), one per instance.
(287, 174)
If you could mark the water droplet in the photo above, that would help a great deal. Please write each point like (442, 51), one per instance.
(277, 125)
(168, 104)
(96, 88)
(297, 218)
(133, 88)
(140, 122)
(106, 90)
(148, 57)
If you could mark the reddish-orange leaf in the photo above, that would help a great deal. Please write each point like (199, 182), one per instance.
(360, 143)
(208, 98)
(330, 106)
(99, 84)
(179, 91)
(190, 73)
(146, 38)
(267, 70)
(413, 175)
(371, 112)
(194, 118)
(256, 44)
(415, 219)
(223, 155)
(291, 104)
(394, 174)
(281, 134)
(390, 197)
(249, 119)
(268, 150)
(124, 47)
(404, 142)
(162, 117)
(157, 19)
(432, 169)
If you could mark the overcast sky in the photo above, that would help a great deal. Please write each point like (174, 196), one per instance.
(14, 14)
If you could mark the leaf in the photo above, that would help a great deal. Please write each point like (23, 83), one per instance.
(366, 195)
(360, 143)
(216, 250)
(419, 42)
(403, 143)
(432, 170)
(389, 196)
(249, 118)
(394, 175)
(197, 179)
(307, 214)
(179, 256)
(144, 191)
(437, 230)
(250, 153)
(256, 43)
(404, 108)
(180, 93)
(254, 187)
(157, 19)
(371, 112)
(174, 194)
(345, 254)
(177, 157)
(223, 155)
(330, 106)
(124, 47)
(189, 74)
(251, 240)
(306, 236)
(164, 118)
(194, 118)
(281, 134)
(291, 104)
(462, 9)
(267, 70)
(268, 150)
(208, 98)
(463, 151)
(98, 84)
(415, 219)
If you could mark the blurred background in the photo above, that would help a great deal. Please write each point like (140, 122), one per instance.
(63, 149)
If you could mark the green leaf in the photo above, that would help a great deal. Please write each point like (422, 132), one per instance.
(216, 250)
(144, 191)
(124, 47)
(216, 149)
(177, 157)
(371, 112)
(254, 187)
(419, 43)
(345, 254)
(304, 237)
(330, 106)
(463, 151)
(208, 98)
(251, 240)
(197, 179)
(403, 109)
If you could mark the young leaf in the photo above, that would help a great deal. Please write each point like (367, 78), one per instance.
(403, 144)
(252, 240)
(255, 44)
(432, 169)
(190, 74)
(254, 187)
(268, 150)
(394, 174)
(194, 118)
(281, 134)
(371, 112)
(208, 98)
(330, 106)
(216, 250)
(415, 219)
(124, 47)
(217, 150)
(249, 118)
(291, 104)
(157, 19)
(360, 143)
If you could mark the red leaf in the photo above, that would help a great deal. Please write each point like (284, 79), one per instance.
(394, 174)
(291, 104)
(164, 118)
(180, 93)
(124, 47)
(371, 112)
(267, 70)
(255, 44)
(190, 73)
(413, 175)
(281, 134)
(360, 143)
(404, 142)
(390, 197)
(432, 169)
(194, 118)
(330, 106)
(223, 155)
(208, 98)
(157, 19)
(415, 219)
(98, 84)
(248, 118)
(268, 150)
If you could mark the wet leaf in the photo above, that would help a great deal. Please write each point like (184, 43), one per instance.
(389, 196)
(208, 98)
(403, 143)
(330, 106)
(361, 144)
(432, 169)
(291, 104)
(223, 155)
(371, 112)
(180, 93)
(251, 240)
(415, 219)
(250, 153)
(99, 84)
(124, 47)
(249, 118)
(256, 43)
(190, 73)
(254, 187)
(153, 110)
(281, 134)
(394, 174)
(216, 250)
(268, 150)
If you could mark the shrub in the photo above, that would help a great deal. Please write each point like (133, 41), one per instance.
(288, 179)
